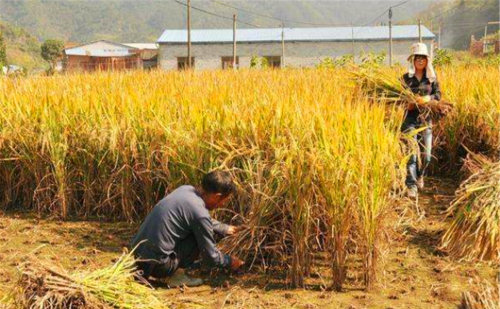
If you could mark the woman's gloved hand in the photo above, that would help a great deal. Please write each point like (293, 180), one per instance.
(424, 99)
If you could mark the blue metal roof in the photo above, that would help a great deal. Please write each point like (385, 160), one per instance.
(294, 34)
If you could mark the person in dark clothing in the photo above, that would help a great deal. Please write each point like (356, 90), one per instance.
(179, 229)
(421, 79)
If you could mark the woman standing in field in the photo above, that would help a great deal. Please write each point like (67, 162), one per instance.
(421, 79)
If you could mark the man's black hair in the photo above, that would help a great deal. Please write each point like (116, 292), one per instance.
(218, 182)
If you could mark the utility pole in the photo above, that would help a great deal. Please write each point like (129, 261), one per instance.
(189, 33)
(352, 42)
(390, 36)
(283, 45)
(420, 31)
(439, 37)
(234, 41)
(485, 46)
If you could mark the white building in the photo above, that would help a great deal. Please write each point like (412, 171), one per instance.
(304, 47)
(106, 55)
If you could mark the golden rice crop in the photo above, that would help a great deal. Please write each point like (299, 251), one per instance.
(475, 120)
(304, 146)
(317, 162)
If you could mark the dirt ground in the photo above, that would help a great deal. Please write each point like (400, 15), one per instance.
(415, 274)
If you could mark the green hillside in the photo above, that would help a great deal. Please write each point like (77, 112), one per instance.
(23, 49)
(460, 19)
(145, 20)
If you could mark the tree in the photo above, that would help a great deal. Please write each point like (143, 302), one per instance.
(254, 62)
(3, 52)
(52, 50)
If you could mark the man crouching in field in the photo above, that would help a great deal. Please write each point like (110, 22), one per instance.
(179, 229)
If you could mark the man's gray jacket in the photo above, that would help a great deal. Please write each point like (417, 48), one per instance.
(179, 215)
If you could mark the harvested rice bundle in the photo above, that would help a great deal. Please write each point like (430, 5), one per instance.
(111, 287)
(483, 296)
(385, 84)
(475, 231)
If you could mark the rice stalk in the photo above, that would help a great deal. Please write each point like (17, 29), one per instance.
(42, 286)
(474, 123)
(318, 161)
(387, 86)
(474, 233)
(483, 296)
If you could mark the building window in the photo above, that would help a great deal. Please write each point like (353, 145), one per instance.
(182, 62)
(273, 61)
(227, 62)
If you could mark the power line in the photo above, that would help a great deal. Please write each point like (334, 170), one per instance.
(469, 26)
(466, 24)
(404, 2)
(443, 13)
(377, 18)
(288, 21)
(215, 14)
(383, 13)
(279, 19)
(371, 22)
(389, 8)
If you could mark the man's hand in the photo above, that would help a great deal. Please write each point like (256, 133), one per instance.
(232, 230)
(236, 263)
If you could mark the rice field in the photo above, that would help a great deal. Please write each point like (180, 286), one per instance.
(319, 163)
(474, 124)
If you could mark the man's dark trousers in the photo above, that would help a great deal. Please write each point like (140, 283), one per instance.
(185, 254)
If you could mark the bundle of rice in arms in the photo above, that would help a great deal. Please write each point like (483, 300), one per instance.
(384, 85)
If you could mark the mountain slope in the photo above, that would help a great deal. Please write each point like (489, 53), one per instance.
(460, 19)
(23, 49)
(145, 20)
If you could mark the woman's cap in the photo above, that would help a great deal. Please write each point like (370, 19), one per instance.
(418, 49)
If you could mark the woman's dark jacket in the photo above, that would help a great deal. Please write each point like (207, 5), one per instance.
(423, 87)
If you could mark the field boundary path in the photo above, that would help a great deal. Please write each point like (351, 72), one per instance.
(416, 274)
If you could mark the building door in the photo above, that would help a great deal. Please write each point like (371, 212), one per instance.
(182, 63)
(227, 62)
(273, 61)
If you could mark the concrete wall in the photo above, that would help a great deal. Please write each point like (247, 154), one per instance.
(297, 54)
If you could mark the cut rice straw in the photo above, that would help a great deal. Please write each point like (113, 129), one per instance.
(475, 231)
(41, 286)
